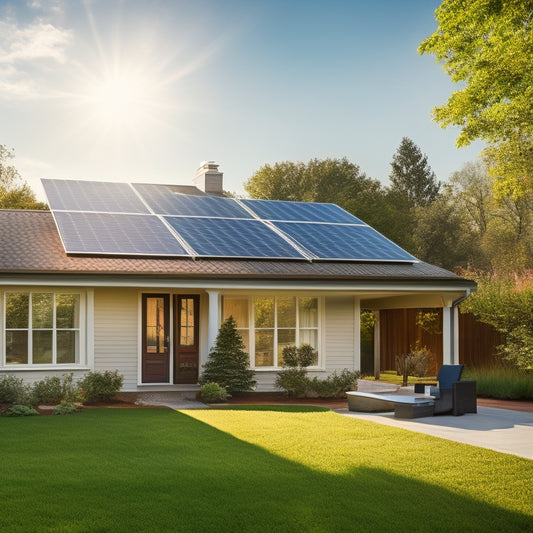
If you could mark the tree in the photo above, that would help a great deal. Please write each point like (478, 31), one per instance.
(487, 45)
(412, 176)
(15, 193)
(228, 363)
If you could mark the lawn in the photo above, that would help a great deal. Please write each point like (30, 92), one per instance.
(250, 469)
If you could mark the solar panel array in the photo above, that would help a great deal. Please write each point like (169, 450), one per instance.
(102, 218)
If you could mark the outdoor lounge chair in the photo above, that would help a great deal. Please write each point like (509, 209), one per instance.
(452, 395)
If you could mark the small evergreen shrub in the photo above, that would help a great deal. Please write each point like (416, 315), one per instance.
(214, 393)
(100, 386)
(20, 410)
(293, 380)
(48, 391)
(13, 390)
(228, 363)
(65, 408)
(299, 357)
(335, 384)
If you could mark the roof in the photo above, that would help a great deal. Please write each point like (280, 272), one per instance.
(30, 244)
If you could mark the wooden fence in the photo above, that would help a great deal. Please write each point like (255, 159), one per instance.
(399, 332)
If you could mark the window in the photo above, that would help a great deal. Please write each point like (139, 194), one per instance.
(42, 328)
(278, 321)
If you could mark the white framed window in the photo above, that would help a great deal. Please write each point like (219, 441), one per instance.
(42, 328)
(270, 323)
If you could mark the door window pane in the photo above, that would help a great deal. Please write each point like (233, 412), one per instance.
(308, 312)
(287, 312)
(42, 311)
(42, 347)
(264, 312)
(187, 322)
(67, 310)
(67, 347)
(17, 310)
(155, 326)
(16, 347)
(264, 347)
(238, 309)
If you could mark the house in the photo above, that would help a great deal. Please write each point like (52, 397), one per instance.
(138, 277)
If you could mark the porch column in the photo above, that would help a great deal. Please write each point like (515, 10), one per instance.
(213, 322)
(377, 346)
(447, 336)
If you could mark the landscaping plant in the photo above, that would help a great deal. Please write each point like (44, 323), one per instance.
(65, 408)
(100, 386)
(20, 410)
(214, 393)
(228, 363)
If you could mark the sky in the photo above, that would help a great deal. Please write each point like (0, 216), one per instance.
(145, 90)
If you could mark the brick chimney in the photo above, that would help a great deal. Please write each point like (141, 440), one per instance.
(208, 179)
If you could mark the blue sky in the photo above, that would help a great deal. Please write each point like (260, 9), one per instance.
(137, 90)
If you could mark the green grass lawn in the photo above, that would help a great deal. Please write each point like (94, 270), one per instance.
(250, 469)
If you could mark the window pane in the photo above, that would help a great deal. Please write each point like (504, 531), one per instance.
(42, 311)
(310, 336)
(67, 347)
(17, 310)
(264, 312)
(264, 347)
(155, 325)
(308, 312)
(67, 310)
(16, 347)
(286, 337)
(42, 347)
(287, 312)
(187, 322)
(238, 309)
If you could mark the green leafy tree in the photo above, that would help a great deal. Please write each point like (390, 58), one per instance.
(412, 176)
(487, 46)
(15, 193)
(228, 363)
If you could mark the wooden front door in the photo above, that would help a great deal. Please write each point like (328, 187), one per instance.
(187, 313)
(155, 338)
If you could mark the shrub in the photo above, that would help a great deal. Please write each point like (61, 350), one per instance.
(415, 363)
(20, 410)
(228, 363)
(100, 386)
(48, 390)
(13, 390)
(500, 381)
(335, 384)
(293, 380)
(301, 357)
(214, 393)
(65, 408)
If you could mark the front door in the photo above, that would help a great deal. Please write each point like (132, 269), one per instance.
(186, 312)
(155, 338)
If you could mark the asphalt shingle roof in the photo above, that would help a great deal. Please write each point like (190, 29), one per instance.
(30, 243)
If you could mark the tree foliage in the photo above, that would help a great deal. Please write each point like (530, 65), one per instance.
(487, 46)
(228, 363)
(15, 193)
(412, 176)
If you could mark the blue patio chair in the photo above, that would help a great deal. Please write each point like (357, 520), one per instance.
(452, 395)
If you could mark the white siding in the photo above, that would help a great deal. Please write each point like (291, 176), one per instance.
(340, 339)
(116, 333)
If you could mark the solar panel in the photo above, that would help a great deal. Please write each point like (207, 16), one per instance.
(107, 197)
(212, 237)
(116, 234)
(163, 201)
(300, 211)
(344, 242)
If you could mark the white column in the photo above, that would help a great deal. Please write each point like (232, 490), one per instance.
(357, 334)
(456, 335)
(377, 346)
(213, 322)
(447, 336)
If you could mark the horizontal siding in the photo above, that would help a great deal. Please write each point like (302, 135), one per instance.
(339, 341)
(116, 333)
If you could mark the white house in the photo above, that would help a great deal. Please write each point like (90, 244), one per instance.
(139, 277)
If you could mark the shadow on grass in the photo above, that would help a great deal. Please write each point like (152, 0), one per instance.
(161, 470)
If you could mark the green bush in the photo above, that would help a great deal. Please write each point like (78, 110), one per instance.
(502, 382)
(214, 393)
(100, 386)
(13, 390)
(293, 380)
(299, 357)
(52, 390)
(20, 410)
(335, 384)
(65, 408)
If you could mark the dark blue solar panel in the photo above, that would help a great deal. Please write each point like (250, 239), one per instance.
(300, 211)
(232, 238)
(105, 233)
(163, 201)
(106, 197)
(347, 242)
